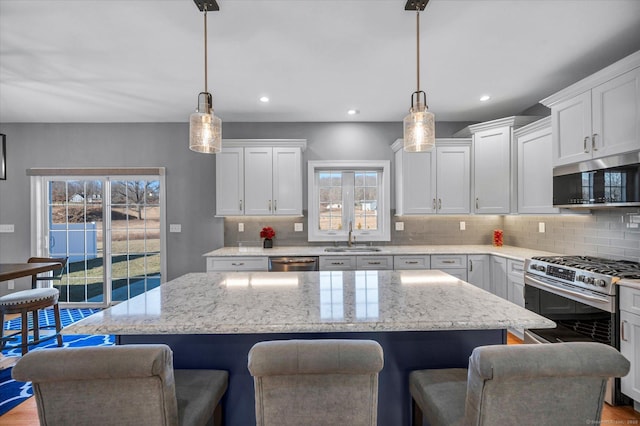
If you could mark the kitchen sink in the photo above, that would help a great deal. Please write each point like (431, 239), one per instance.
(352, 249)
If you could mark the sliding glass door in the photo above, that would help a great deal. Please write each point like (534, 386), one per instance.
(109, 228)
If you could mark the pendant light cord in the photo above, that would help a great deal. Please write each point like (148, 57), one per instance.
(418, 48)
(205, 51)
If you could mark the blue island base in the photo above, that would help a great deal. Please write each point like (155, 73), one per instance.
(403, 352)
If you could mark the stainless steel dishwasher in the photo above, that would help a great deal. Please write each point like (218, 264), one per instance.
(293, 263)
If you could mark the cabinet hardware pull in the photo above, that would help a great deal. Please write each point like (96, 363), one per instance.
(471, 266)
(240, 205)
(237, 264)
(373, 263)
(439, 203)
(622, 330)
(434, 203)
(586, 138)
(477, 204)
(448, 261)
(593, 142)
(275, 205)
(411, 262)
(269, 205)
(337, 263)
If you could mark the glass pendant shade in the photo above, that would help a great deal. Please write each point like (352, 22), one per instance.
(205, 129)
(419, 129)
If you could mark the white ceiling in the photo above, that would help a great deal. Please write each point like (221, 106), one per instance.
(142, 60)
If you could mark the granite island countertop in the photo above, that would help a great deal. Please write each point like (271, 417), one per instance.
(338, 301)
(511, 252)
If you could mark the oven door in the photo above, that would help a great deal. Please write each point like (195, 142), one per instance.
(577, 294)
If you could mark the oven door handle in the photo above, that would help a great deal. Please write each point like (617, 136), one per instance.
(564, 290)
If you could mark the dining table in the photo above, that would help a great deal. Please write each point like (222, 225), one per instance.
(11, 271)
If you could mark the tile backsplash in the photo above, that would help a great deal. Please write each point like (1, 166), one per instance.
(613, 233)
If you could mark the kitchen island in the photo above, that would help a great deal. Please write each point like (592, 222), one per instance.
(422, 319)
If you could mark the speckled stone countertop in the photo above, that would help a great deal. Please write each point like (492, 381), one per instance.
(511, 252)
(263, 302)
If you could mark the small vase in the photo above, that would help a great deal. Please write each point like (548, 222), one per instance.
(268, 243)
(498, 236)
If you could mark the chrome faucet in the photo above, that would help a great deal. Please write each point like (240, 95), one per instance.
(349, 242)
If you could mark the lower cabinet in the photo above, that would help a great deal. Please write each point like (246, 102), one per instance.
(337, 263)
(515, 289)
(234, 264)
(411, 262)
(499, 276)
(452, 264)
(479, 271)
(630, 341)
(380, 263)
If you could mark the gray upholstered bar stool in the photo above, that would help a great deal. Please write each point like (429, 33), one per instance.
(23, 302)
(316, 382)
(123, 385)
(540, 384)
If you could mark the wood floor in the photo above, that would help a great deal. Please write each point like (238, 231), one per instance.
(26, 414)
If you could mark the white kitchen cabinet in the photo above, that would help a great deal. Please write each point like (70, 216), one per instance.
(234, 264)
(433, 182)
(535, 167)
(515, 282)
(479, 271)
(499, 283)
(378, 263)
(402, 262)
(630, 341)
(259, 178)
(453, 264)
(337, 263)
(493, 165)
(598, 116)
(230, 182)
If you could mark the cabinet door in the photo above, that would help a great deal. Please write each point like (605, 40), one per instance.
(230, 182)
(418, 182)
(535, 172)
(453, 179)
(227, 264)
(492, 170)
(337, 263)
(379, 263)
(616, 115)
(258, 182)
(571, 124)
(411, 262)
(630, 348)
(515, 290)
(499, 276)
(287, 181)
(479, 271)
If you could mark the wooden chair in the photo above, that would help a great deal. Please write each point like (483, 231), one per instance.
(57, 273)
(120, 385)
(316, 382)
(25, 301)
(536, 384)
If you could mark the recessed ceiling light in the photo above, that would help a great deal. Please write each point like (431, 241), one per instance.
(353, 112)
(264, 99)
(485, 98)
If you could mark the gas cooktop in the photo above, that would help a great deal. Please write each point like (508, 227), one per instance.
(614, 268)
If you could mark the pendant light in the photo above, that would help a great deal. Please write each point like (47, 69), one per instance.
(419, 124)
(205, 129)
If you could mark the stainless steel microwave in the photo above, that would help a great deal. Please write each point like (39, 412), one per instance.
(605, 182)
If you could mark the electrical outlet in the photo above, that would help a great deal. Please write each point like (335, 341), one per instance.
(463, 225)
(399, 226)
(175, 227)
(298, 227)
(6, 228)
(541, 227)
(240, 227)
(11, 284)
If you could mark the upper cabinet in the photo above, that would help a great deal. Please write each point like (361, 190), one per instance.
(535, 167)
(494, 164)
(433, 182)
(598, 116)
(259, 177)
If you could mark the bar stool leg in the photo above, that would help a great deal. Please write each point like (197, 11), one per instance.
(56, 315)
(25, 331)
(36, 325)
(2, 342)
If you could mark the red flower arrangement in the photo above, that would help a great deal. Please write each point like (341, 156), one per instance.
(267, 232)
(497, 237)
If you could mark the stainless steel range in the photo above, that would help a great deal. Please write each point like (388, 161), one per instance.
(579, 293)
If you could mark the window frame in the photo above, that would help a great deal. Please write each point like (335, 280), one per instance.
(384, 199)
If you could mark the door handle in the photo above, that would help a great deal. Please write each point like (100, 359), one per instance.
(411, 262)
(275, 205)
(622, 337)
(269, 205)
(237, 264)
(337, 263)
(374, 263)
(586, 138)
(471, 266)
(434, 203)
(240, 205)
(593, 142)
(477, 203)
(448, 261)
(439, 203)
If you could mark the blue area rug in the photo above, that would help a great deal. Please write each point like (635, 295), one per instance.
(12, 392)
